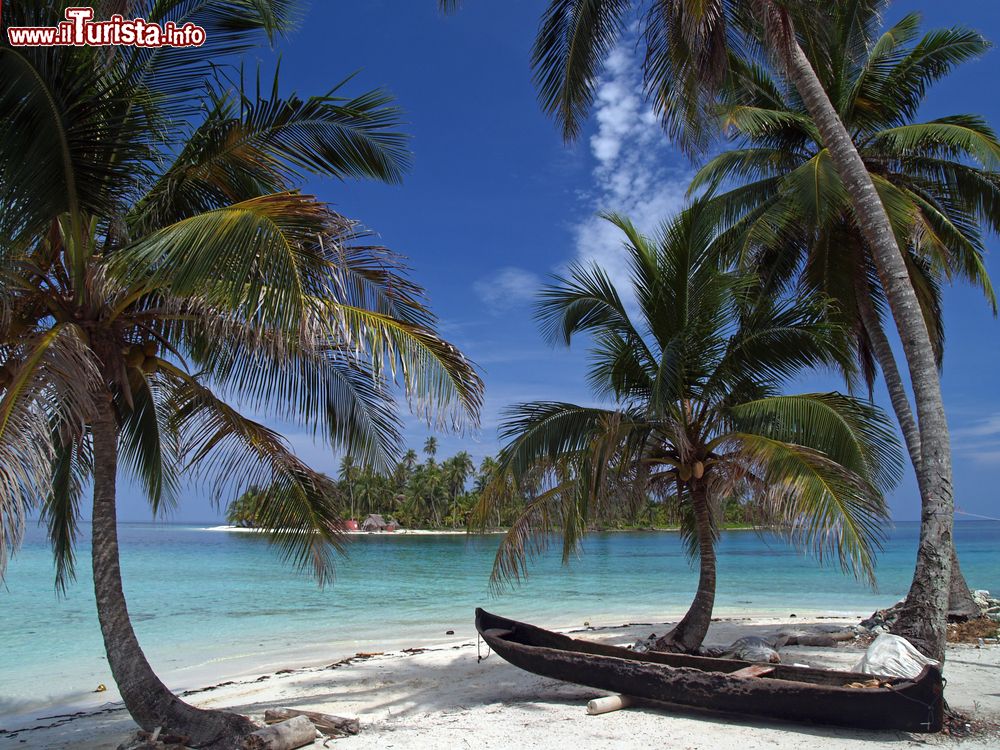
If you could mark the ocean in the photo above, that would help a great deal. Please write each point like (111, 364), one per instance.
(211, 604)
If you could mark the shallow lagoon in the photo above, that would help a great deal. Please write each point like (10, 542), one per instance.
(208, 604)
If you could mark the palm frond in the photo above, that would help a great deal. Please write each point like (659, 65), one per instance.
(147, 445)
(545, 431)
(852, 433)
(574, 38)
(825, 508)
(301, 511)
(958, 136)
(51, 384)
(245, 147)
(258, 257)
(71, 468)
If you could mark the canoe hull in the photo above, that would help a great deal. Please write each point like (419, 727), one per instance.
(791, 693)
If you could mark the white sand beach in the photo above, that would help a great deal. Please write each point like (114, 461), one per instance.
(397, 532)
(444, 697)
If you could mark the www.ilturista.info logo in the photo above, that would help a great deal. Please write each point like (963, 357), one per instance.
(80, 30)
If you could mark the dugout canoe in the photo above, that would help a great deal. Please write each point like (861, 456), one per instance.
(774, 691)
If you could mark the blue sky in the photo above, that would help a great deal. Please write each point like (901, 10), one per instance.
(496, 201)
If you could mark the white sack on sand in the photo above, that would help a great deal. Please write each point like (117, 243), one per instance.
(894, 656)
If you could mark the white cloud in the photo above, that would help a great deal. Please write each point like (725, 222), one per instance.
(636, 173)
(979, 440)
(988, 427)
(507, 288)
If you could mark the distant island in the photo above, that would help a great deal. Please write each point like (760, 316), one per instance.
(433, 496)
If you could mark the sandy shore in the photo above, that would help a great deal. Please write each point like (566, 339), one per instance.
(397, 532)
(444, 697)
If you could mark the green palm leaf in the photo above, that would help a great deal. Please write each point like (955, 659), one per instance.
(573, 39)
(302, 510)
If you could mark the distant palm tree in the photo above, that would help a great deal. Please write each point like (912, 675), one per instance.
(788, 212)
(155, 258)
(485, 472)
(431, 447)
(457, 470)
(688, 47)
(348, 477)
(242, 511)
(695, 374)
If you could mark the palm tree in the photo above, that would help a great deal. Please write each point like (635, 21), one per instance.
(789, 213)
(348, 477)
(428, 490)
(242, 511)
(157, 258)
(485, 472)
(457, 470)
(694, 373)
(430, 448)
(688, 48)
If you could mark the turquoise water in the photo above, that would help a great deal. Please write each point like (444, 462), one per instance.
(208, 604)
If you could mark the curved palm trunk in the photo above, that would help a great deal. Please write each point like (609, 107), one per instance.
(147, 699)
(890, 373)
(927, 603)
(961, 605)
(690, 632)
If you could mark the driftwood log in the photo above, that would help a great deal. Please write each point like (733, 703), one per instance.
(288, 735)
(328, 724)
(608, 704)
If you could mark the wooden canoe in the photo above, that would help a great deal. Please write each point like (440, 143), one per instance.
(800, 694)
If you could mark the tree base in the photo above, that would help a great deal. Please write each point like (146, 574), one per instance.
(213, 730)
(678, 641)
(908, 622)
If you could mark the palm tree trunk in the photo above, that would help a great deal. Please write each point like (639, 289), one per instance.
(147, 699)
(890, 373)
(690, 632)
(926, 606)
(961, 605)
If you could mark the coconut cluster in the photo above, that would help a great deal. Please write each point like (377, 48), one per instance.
(143, 356)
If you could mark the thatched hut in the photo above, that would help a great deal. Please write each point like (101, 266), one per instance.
(374, 522)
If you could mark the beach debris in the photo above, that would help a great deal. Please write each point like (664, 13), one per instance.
(973, 631)
(756, 649)
(102, 688)
(894, 656)
(287, 735)
(609, 703)
(328, 724)
(155, 740)
(874, 682)
(754, 670)
(449, 632)
(882, 621)
(823, 636)
(644, 645)
(360, 656)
